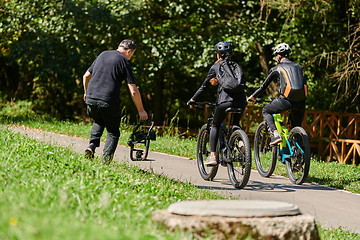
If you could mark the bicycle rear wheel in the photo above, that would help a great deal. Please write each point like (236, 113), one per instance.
(239, 168)
(265, 155)
(202, 152)
(137, 154)
(298, 164)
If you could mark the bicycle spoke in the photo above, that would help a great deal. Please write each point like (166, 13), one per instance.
(299, 163)
(203, 151)
(265, 155)
(240, 166)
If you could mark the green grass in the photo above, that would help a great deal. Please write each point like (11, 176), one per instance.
(49, 192)
(337, 234)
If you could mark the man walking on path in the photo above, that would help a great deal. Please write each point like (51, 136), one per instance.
(102, 83)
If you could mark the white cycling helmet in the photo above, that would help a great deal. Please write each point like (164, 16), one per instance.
(282, 49)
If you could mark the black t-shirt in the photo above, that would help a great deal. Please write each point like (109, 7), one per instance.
(222, 96)
(108, 71)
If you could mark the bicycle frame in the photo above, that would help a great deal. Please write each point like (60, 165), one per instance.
(284, 145)
(224, 136)
(141, 137)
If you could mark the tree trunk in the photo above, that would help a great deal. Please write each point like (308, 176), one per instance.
(263, 63)
(158, 102)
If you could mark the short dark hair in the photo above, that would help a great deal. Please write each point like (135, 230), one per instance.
(128, 44)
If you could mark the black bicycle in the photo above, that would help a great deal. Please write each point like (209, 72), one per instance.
(138, 137)
(233, 149)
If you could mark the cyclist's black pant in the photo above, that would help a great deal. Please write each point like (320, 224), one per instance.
(280, 105)
(219, 117)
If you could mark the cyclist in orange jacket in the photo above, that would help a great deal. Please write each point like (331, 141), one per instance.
(292, 88)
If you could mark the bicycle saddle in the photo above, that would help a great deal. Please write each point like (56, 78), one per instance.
(234, 110)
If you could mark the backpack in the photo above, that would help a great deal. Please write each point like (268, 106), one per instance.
(231, 77)
(292, 82)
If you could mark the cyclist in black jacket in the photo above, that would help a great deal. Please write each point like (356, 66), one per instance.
(224, 100)
(292, 88)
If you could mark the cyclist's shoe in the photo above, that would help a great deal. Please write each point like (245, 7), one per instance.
(275, 139)
(211, 161)
(90, 151)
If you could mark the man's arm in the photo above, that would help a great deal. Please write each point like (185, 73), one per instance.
(136, 97)
(86, 80)
(273, 74)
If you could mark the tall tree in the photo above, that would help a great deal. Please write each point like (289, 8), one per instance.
(46, 46)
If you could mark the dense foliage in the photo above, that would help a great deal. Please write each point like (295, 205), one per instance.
(46, 46)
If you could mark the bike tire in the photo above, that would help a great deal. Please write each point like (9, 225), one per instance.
(298, 175)
(208, 173)
(239, 168)
(137, 154)
(264, 154)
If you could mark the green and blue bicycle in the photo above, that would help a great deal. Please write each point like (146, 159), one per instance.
(293, 151)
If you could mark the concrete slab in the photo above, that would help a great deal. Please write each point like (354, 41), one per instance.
(234, 228)
(234, 208)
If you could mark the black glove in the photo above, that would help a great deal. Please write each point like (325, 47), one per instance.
(191, 102)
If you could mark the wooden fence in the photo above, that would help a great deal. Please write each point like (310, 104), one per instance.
(333, 136)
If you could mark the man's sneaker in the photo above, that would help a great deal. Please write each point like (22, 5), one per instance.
(275, 139)
(211, 161)
(106, 159)
(90, 151)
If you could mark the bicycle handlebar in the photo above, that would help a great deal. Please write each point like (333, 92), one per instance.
(146, 121)
(143, 122)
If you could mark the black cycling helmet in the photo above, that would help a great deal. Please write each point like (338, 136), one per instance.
(282, 49)
(224, 49)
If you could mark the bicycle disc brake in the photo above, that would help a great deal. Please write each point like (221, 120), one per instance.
(239, 157)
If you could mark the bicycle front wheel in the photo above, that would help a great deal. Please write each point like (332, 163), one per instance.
(298, 164)
(239, 168)
(265, 155)
(202, 152)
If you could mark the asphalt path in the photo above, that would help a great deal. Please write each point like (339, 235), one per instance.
(331, 207)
